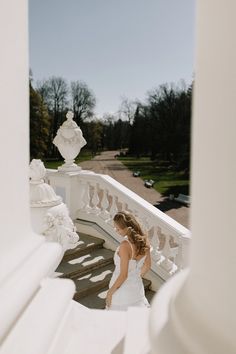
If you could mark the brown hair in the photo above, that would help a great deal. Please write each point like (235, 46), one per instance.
(134, 231)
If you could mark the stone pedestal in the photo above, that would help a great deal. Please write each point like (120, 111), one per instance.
(49, 215)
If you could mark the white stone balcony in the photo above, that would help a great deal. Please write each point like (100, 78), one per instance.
(194, 311)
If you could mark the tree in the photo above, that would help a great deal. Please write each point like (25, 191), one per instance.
(93, 133)
(83, 101)
(39, 125)
(42, 87)
(55, 94)
(140, 132)
(127, 109)
(108, 127)
(170, 120)
(120, 135)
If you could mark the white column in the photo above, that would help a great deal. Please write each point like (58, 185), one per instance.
(14, 132)
(25, 258)
(14, 137)
(213, 259)
(195, 312)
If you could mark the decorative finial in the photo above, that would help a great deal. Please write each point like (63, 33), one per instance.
(37, 171)
(69, 115)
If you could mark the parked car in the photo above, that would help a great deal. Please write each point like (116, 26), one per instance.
(149, 183)
(136, 173)
(121, 154)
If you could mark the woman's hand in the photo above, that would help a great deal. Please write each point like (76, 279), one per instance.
(108, 299)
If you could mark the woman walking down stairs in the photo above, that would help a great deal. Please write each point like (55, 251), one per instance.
(90, 266)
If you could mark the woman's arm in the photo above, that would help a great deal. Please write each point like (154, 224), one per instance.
(124, 253)
(147, 264)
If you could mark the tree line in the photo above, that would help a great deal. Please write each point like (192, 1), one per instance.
(159, 127)
(49, 103)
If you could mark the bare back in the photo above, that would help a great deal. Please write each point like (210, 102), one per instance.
(133, 251)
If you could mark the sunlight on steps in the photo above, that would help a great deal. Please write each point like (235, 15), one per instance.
(101, 276)
(95, 278)
(95, 260)
(90, 244)
(80, 243)
(79, 260)
(103, 294)
(57, 274)
(87, 276)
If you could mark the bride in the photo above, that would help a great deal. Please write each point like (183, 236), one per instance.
(132, 260)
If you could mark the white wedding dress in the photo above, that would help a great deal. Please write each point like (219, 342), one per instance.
(131, 292)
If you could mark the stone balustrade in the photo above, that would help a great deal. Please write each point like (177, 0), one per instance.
(97, 198)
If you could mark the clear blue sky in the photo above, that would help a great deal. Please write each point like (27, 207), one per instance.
(118, 47)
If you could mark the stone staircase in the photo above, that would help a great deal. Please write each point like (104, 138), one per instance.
(90, 266)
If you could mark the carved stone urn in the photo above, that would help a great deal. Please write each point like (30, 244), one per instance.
(69, 141)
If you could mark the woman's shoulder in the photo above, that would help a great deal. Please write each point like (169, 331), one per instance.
(125, 246)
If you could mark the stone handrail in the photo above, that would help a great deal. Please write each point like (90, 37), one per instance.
(100, 197)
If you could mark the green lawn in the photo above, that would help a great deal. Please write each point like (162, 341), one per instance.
(167, 180)
(83, 156)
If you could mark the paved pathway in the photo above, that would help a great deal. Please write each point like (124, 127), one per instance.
(106, 163)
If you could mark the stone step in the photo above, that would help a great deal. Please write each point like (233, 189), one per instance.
(96, 300)
(146, 283)
(149, 295)
(81, 265)
(96, 280)
(86, 244)
(93, 281)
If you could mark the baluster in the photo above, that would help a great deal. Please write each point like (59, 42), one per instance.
(155, 243)
(145, 224)
(183, 251)
(179, 256)
(185, 245)
(122, 205)
(166, 252)
(86, 197)
(149, 232)
(105, 205)
(95, 200)
(175, 251)
(113, 209)
(126, 208)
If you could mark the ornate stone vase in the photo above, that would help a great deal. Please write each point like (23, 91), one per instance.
(69, 141)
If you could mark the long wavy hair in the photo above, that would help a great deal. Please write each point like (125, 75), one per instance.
(134, 231)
